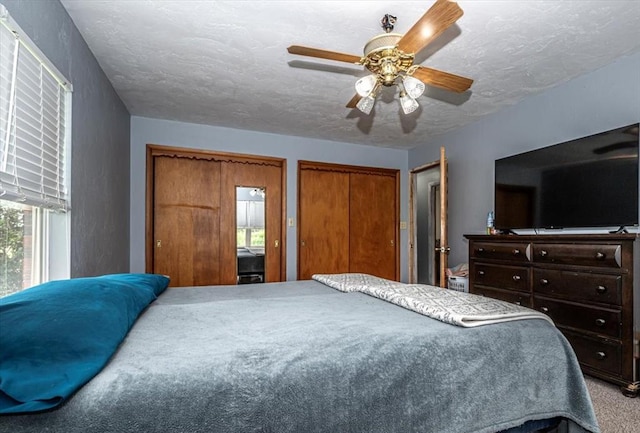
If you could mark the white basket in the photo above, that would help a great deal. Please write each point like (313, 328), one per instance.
(461, 284)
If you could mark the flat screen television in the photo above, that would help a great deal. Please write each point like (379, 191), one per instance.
(590, 182)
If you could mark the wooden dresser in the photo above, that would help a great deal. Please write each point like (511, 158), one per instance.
(583, 282)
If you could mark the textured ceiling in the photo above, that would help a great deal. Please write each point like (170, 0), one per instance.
(225, 62)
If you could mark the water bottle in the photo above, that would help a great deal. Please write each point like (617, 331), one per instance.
(490, 228)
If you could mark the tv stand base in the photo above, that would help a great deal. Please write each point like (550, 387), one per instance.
(620, 230)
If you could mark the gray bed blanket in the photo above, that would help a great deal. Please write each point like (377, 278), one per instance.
(301, 357)
(449, 306)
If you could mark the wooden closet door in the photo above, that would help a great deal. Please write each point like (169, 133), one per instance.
(186, 213)
(236, 174)
(373, 225)
(323, 222)
(191, 213)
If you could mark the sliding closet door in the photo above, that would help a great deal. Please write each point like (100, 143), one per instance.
(240, 174)
(186, 212)
(347, 220)
(372, 225)
(191, 227)
(323, 222)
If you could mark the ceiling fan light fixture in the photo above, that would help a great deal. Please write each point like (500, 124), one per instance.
(390, 58)
(365, 85)
(366, 104)
(413, 86)
(408, 104)
(389, 72)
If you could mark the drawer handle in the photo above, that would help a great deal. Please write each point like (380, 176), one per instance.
(544, 282)
(544, 253)
(600, 256)
(515, 252)
(516, 278)
(481, 273)
(600, 322)
(544, 309)
(517, 303)
(601, 355)
(480, 250)
(601, 289)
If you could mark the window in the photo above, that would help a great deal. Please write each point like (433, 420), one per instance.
(18, 240)
(250, 224)
(35, 108)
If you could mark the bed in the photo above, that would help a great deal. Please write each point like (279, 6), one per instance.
(302, 356)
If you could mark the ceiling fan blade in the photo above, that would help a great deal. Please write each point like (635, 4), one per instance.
(354, 101)
(323, 54)
(435, 21)
(441, 79)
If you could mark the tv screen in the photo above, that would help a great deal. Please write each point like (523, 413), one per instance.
(583, 183)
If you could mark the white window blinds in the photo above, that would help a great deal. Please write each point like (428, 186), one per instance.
(35, 102)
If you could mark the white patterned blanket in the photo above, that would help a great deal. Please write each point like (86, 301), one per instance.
(449, 306)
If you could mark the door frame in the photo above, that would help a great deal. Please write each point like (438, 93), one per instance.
(444, 248)
(156, 150)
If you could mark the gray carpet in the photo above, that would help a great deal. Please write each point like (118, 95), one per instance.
(615, 412)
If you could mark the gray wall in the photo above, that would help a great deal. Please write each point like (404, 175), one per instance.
(99, 226)
(601, 100)
(150, 131)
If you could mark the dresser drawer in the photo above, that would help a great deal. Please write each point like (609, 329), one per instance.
(503, 277)
(584, 282)
(600, 255)
(504, 295)
(512, 251)
(578, 286)
(600, 321)
(596, 353)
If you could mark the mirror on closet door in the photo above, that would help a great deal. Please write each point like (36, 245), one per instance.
(250, 233)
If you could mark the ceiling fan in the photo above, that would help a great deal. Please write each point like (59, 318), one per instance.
(390, 56)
